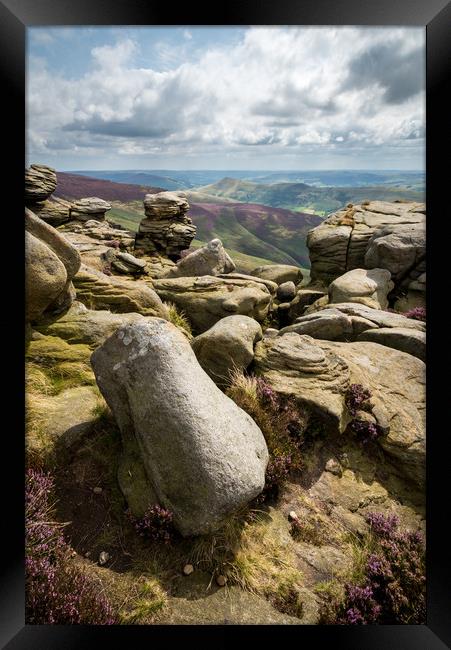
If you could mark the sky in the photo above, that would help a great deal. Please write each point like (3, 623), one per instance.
(244, 98)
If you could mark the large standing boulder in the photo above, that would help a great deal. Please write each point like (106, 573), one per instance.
(99, 291)
(40, 182)
(229, 344)
(341, 242)
(360, 285)
(166, 228)
(211, 259)
(279, 273)
(207, 299)
(203, 456)
(51, 263)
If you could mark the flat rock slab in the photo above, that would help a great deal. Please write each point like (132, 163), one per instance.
(195, 604)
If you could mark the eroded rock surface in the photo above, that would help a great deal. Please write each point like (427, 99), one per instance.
(229, 344)
(374, 234)
(279, 273)
(319, 372)
(207, 299)
(99, 291)
(211, 259)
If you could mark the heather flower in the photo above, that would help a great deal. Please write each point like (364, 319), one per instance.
(382, 525)
(56, 591)
(355, 398)
(393, 589)
(417, 313)
(156, 524)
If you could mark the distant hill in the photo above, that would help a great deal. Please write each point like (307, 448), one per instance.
(273, 234)
(74, 186)
(141, 178)
(302, 197)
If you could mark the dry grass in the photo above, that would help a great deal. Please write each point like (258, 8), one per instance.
(178, 318)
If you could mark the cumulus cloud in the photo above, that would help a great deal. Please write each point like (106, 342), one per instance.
(276, 90)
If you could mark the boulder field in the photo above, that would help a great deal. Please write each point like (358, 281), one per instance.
(109, 310)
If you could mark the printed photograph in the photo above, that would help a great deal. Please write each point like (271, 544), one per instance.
(225, 243)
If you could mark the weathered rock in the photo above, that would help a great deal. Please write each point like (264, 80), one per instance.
(89, 208)
(271, 286)
(297, 365)
(60, 245)
(40, 182)
(286, 291)
(207, 299)
(227, 345)
(377, 316)
(405, 339)
(318, 374)
(188, 431)
(46, 276)
(399, 248)
(158, 266)
(85, 235)
(124, 262)
(51, 263)
(372, 286)
(166, 229)
(279, 273)
(82, 325)
(303, 299)
(330, 324)
(99, 291)
(54, 211)
(341, 241)
(211, 259)
(349, 322)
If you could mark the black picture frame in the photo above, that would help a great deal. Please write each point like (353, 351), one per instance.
(15, 17)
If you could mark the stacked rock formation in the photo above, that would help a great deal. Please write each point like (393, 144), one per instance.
(41, 182)
(166, 228)
(375, 234)
(89, 208)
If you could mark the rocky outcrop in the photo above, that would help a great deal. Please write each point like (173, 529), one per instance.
(166, 228)
(54, 211)
(188, 432)
(89, 208)
(348, 240)
(405, 339)
(51, 263)
(211, 259)
(124, 262)
(279, 273)
(226, 346)
(90, 327)
(207, 299)
(99, 291)
(355, 322)
(318, 373)
(40, 182)
(370, 287)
